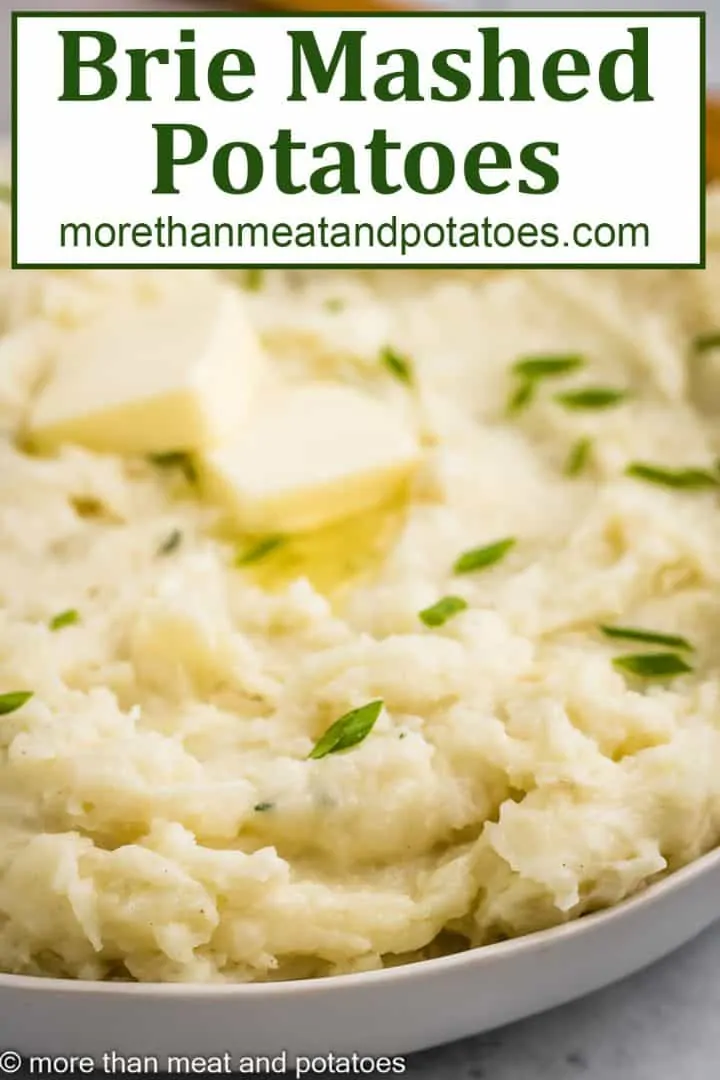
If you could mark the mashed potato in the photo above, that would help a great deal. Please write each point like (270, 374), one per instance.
(160, 817)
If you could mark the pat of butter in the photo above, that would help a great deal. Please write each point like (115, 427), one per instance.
(177, 373)
(316, 455)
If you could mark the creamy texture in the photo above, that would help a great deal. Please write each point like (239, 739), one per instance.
(159, 816)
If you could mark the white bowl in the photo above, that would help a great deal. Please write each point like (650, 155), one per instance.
(392, 1012)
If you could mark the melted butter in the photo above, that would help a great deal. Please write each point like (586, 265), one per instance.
(335, 558)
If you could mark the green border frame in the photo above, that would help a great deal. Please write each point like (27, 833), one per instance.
(15, 16)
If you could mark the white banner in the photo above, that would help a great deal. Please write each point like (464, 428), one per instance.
(390, 140)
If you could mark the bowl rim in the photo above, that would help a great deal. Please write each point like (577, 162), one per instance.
(479, 956)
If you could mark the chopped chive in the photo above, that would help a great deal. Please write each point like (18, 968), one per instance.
(690, 479)
(348, 731)
(663, 665)
(259, 550)
(591, 397)
(5, 193)
(172, 543)
(520, 397)
(706, 342)
(579, 457)
(10, 703)
(254, 279)
(651, 637)
(439, 613)
(397, 365)
(481, 558)
(334, 304)
(176, 459)
(64, 618)
(263, 807)
(547, 367)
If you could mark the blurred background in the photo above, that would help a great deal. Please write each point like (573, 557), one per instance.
(712, 7)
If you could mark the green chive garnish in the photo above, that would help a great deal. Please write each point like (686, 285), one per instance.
(662, 665)
(254, 279)
(481, 558)
(334, 304)
(397, 365)
(439, 613)
(706, 342)
(651, 637)
(259, 550)
(348, 731)
(176, 459)
(5, 193)
(520, 397)
(547, 367)
(684, 479)
(591, 397)
(10, 703)
(579, 457)
(64, 618)
(263, 807)
(172, 543)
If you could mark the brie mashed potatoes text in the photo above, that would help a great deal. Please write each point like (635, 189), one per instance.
(350, 618)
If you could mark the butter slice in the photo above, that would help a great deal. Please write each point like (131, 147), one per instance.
(177, 373)
(318, 454)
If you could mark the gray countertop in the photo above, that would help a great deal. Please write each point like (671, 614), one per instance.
(659, 1025)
